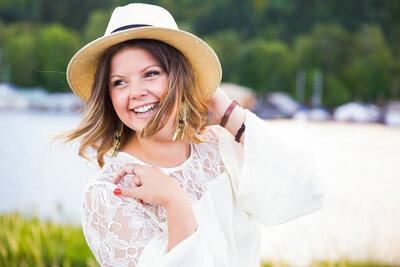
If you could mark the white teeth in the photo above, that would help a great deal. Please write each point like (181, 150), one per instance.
(146, 108)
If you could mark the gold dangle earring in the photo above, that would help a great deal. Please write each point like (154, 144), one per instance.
(180, 128)
(117, 140)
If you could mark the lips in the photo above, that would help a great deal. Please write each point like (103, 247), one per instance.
(146, 108)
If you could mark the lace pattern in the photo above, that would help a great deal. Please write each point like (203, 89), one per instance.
(117, 229)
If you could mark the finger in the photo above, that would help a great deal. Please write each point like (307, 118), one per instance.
(142, 170)
(135, 181)
(127, 169)
(132, 192)
(119, 175)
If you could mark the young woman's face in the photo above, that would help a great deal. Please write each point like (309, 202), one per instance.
(137, 83)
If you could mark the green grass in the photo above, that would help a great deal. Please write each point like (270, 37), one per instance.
(343, 263)
(32, 242)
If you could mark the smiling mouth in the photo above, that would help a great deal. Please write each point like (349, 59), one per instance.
(146, 109)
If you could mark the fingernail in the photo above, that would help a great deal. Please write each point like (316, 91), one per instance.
(117, 191)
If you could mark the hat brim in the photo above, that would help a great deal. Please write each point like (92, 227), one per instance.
(206, 66)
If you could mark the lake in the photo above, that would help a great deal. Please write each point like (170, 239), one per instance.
(37, 175)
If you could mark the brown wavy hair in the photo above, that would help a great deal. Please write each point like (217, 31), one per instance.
(100, 121)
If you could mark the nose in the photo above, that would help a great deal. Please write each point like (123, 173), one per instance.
(137, 91)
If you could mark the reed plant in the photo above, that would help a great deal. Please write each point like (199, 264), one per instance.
(340, 263)
(33, 242)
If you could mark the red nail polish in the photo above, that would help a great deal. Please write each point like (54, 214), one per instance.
(117, 191)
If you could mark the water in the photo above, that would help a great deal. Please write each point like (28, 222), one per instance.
(37, 175)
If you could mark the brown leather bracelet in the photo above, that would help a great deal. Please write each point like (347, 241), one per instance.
(228, 112)
(240, 132)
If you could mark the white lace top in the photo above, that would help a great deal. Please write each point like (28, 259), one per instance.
(118, 228)
(226, 186)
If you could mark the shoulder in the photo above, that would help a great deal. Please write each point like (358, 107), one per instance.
(209, 139)
(98, 196)
(112, 166)
(100, 189)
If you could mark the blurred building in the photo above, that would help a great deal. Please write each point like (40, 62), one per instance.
(357, 112)
(10, 98)
(244, 95)
(391, 115)
(13, 98)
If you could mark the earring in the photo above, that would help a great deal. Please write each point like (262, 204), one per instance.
(117, 140)
(180, 128)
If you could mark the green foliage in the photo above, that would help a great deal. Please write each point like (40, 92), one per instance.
(229, 14)
(370, 65)
(96, 24)
(342, 263)
(336, 91)
(327, 47)
(19, 10)
(38, 56)
(347, 263)
(266, 66)
(394, 87)
(56, 46)
(31, 242)
(187, 11)
(3, 31)
(72, 13)
(19, 54)
(261, 43)
(228, 46)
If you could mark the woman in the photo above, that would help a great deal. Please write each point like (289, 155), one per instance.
(178, 190)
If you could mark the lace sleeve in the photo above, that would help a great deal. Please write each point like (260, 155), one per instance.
(116, 229)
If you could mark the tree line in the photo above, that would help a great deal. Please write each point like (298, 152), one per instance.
(262, 44)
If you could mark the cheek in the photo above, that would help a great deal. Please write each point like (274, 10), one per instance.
(162, 86)
(118, 102)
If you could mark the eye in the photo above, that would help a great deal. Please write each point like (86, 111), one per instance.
(117, 83)
(152, 74)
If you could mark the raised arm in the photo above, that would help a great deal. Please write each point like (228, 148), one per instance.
(217, 108)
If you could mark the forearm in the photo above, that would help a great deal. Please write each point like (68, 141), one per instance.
(180, 217)
(218, 106)
(237, 117)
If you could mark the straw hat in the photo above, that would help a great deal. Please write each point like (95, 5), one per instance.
(143, 21)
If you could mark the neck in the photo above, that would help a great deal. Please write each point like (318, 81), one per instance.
(158, 152)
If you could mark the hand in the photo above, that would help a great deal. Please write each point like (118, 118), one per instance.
(148, 185)
(218, 104)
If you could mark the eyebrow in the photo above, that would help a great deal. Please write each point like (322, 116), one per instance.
(143, 70)
(148, 67)
(115, 76)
